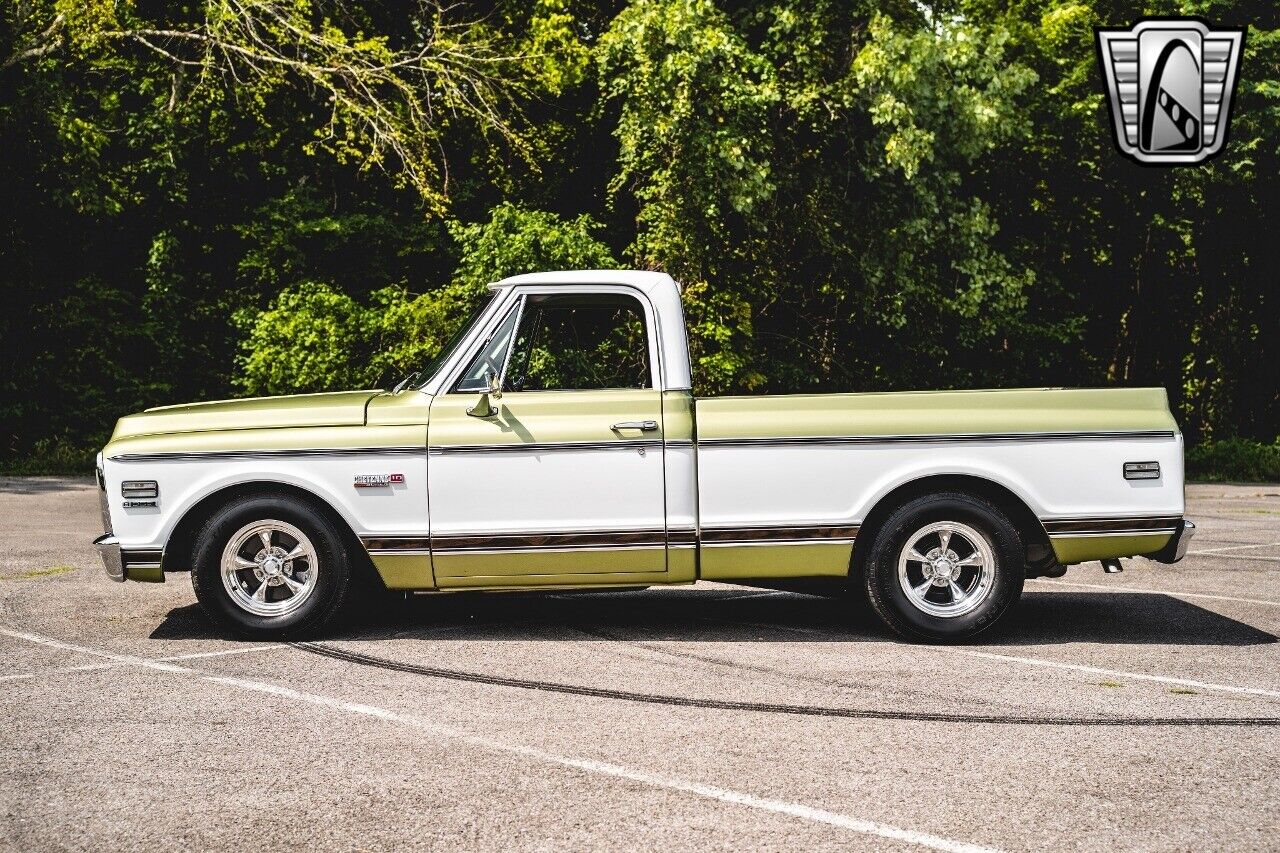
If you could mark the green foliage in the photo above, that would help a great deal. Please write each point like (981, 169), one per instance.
(51, 457)
(262, 196)
(310, 339)
(314, 337)
(1235, 460)
(515, 240)
(810, 246)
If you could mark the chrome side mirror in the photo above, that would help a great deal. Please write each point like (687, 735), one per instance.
(484, 408)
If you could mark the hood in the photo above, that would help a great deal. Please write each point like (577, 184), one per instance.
(342, 408)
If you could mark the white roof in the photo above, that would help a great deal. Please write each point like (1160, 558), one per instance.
(641, 279)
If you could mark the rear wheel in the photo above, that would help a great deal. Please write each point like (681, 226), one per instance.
(944, 567)
(270, 566)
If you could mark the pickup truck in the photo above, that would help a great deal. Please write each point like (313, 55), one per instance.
(556, 444)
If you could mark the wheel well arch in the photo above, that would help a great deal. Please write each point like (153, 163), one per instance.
(1007, 501)
(180, 546)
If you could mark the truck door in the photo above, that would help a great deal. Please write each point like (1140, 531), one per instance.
(559, 478)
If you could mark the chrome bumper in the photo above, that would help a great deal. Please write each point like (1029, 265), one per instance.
(1177, 547)
(109, 548)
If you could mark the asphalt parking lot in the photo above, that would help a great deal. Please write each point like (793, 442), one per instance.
(1131, 711)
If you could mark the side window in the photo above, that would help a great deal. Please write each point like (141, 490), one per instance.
(491, 357)
(577, 342)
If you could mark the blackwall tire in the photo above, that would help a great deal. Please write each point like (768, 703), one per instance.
(271, 567)
(944, 568)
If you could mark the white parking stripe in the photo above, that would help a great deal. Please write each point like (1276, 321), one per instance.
(91, 667)
(604, 768)
(85, 650)
(1214, 556)
(1234, 548)
(1172, 592)
(1118, 673)
(222, 653)
(1137, 676)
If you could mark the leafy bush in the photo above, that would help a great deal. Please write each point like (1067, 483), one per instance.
(313, 337)
(1235, 459)
(51, 456)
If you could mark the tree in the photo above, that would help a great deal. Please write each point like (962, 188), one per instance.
(316, 338)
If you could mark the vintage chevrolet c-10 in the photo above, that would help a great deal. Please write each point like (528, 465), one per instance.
(557, 444)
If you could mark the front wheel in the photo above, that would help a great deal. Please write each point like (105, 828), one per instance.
(270, 566)
(944, 567)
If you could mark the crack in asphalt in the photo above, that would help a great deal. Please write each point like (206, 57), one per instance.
(329, 651)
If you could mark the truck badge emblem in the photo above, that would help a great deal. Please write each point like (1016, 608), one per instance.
(368, 481)
(1170, 83)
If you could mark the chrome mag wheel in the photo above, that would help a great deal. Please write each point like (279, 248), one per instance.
(946, 569)
(269, 568)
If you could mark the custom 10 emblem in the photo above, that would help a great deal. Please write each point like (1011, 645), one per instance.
(369, 481)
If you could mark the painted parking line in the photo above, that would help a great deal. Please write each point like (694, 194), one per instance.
(1029, 661)
(1246, 557)
(1233, 548)
(1119, 673)
(588, 765)
(1173, 592)
(89, 667)
(92, 667)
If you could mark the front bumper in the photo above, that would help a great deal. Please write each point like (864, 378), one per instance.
(109, 548)
(1177, 547)
(121, 565)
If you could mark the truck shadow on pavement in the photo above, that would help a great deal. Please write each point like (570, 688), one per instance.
(753, 615)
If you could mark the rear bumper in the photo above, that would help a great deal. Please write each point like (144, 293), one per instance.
(1177, 547)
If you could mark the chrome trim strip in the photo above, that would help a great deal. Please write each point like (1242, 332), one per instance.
(624, 444)
(753, 543)
(557, 549)
(607, 540)
(396, 544)
(291, 453)
(1146, 531)
(392, 552)
(650, 538)
(929, 438)
(545, 447)
(514, 543)
(780, 533)
(1126, 523)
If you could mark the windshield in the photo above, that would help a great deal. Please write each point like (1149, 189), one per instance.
(430, 368)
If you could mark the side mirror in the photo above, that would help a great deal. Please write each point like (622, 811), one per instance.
(483, 407)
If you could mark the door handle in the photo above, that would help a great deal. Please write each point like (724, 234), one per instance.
(647, 426)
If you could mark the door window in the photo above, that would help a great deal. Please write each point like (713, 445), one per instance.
(579, 342)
